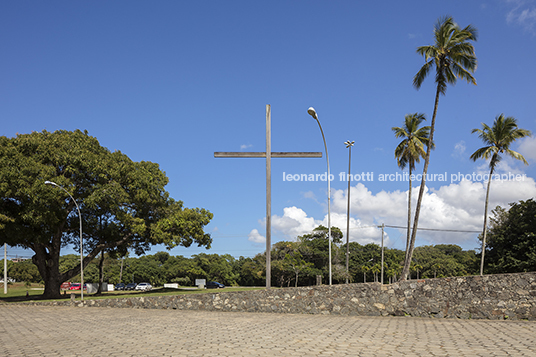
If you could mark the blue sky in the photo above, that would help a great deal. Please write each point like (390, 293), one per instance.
(174, 81)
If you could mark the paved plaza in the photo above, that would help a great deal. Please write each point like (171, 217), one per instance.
(70, 331)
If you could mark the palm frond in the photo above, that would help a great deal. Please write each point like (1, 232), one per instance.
(467, 61)
(449, 74)
(471, 31)
(411, 149)
(484, 152)
(452, 53)
(399, 132)
(462, 73)
(427, 52)
(422, 74)
(516, 156)
(498, 139)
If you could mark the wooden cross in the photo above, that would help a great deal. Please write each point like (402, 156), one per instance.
(268, 154)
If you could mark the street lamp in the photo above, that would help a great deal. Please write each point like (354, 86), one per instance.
(312, 113)
(81, 241)
(349, 145)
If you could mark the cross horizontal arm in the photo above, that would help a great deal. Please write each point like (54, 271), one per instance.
(272, 154)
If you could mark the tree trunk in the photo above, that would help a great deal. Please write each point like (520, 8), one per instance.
(121, 272)
(48, 266)
(485, 221)
(409, 254)
(101, 273)
(409, 212)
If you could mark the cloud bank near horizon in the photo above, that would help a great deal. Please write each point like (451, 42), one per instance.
(456, 206)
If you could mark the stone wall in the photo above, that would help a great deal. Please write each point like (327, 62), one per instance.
(505, 296)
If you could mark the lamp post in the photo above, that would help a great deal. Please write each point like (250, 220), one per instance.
(81, 241)
(5, 268)
(312, 112)
(349, 145)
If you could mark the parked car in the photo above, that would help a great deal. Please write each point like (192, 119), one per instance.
(214, 285)
(130, 286)
(120, 286)
(66, 286)
(144, 286)
(76, 286)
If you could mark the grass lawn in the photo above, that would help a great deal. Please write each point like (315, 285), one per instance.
(16, 292)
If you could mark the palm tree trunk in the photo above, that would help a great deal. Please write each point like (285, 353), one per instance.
(409, 213)
(405, 270)
(485, 223)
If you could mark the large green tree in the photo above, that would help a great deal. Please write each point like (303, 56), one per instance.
(497, 140)
(289, 262)
(123, 203)
(453, 57)
(315, 247)
(511, 244)
(410, 150)
(217, 268)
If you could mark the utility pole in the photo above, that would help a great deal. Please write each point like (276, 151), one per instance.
(349, 145)
(382, 227)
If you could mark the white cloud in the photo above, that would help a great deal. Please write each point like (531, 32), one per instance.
(507, 165)
(457, 206)
(523, 14)
(309, 194)
(359, 232)
(527, 148)
(459, 149)
(256, 237)
(244, 146)
(294, 222)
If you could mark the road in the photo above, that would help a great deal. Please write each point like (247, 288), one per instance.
(72, 331)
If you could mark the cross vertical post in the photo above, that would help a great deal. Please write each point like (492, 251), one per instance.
(268, 154)
(268, 196)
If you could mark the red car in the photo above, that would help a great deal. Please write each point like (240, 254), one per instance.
(65, 286)
(76, 286)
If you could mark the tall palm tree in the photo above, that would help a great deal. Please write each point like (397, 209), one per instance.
(497, 140)
(410, 150)
(453, 57)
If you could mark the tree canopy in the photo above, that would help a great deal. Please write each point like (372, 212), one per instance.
(123, 203)
(295, 263)
(511, 243)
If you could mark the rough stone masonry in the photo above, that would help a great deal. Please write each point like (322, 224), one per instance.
(503, 296)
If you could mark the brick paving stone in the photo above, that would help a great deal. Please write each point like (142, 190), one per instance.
(70, 331)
